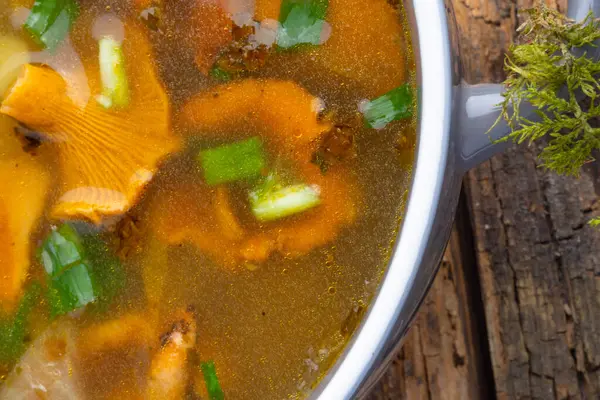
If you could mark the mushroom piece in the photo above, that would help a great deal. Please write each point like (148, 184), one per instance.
(284, 111)
(211, 29)
(368, 50)
(24, 182)
(168, 370)
(46, 369)
(286, 117)
(107, 156)
(191, 212)
(112, 334)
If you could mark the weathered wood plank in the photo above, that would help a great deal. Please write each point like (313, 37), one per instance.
(439, 358)
(538, 261)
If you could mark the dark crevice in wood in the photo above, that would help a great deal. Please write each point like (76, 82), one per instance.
(428, 383)
(474, 296)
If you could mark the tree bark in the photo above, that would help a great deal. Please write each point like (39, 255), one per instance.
(538, 259)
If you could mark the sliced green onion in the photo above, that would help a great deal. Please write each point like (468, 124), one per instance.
(233, 162)
(392, 106)
(80, 271)
(13, 329)
(50, 21)
(271, 201)
(213, 387)
(61, 249)
(115, 87)
(71, 290)
(301, 22)
(70, 284)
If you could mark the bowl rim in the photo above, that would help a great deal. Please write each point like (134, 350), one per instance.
(430, 32)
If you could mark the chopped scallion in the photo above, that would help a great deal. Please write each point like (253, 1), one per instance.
(233, 162)
(213, 387)
(61, 249)
(80, 270)
(301, 22)
(271, 201)
(71, 290)
(115, 87)
(50, 21)
(392, 106)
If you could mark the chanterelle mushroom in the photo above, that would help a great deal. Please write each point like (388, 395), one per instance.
(107, 156)
(24, 182)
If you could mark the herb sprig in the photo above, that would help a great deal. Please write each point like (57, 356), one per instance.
(550, 69)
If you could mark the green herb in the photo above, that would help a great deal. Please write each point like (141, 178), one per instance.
(549, 71)
(392, 106)
(61, 249)
(220, 74)
(271, 201)
(71, 290)
(13, 328)
(233, 162)
(50, 21)
(115, 87)
(80, 271)
(302, 22)
(212, 381)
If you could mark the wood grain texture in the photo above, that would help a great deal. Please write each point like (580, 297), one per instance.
(538, 260)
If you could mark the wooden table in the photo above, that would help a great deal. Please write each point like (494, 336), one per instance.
(514, 312)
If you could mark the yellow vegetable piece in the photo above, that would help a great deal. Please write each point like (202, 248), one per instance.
(107, 157)
(14, 54)
(24, 182)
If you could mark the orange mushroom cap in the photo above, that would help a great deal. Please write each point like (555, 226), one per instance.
(106, 156)
(367, 49)
(286, 117)
(24, 182)
(211, 29)
(283, 110)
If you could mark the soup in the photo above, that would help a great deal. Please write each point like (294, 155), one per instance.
(199, 198)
